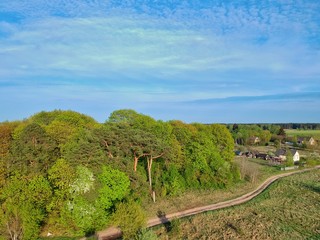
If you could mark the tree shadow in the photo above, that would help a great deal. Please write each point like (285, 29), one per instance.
(312, 187)
(164, 220)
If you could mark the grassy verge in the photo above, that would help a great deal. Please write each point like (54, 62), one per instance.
(288, 209)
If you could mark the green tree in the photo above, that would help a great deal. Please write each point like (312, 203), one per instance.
(84, 181)
(61, 131)
(289, 158)
(84, 148)
(23, 204)
(265, 136)
(114, 186)
(82, 216)
(127, 116)
(32, 150)
(80, 212)
(130, 217)
(61, 177)
(223, 141)
(72, 118)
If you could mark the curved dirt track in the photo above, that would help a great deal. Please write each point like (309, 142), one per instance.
(113, 232)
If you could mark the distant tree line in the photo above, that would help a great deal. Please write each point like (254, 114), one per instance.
(63, 173)
(253, 134)
(262, 134)
(268, 126)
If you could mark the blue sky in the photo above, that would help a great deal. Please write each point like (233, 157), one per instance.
(197, 61)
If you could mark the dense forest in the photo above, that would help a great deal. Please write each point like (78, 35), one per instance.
(63, 173)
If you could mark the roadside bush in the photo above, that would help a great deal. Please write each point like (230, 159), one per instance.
(130, 217)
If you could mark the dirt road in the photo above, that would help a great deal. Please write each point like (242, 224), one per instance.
(113, 233)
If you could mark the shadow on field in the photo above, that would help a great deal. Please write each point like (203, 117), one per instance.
(312, 187)
(164, 220)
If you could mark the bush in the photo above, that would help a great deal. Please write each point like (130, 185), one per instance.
(130, 217)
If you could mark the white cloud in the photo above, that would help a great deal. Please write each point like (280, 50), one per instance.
(95, 45)
(163, 53)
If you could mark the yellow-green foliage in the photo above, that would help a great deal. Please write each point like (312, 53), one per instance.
(130, 217)
(90, 167)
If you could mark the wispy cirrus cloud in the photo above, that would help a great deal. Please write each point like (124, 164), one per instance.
(178, 51)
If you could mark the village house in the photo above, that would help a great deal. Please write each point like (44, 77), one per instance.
(282, 154)
(263, 156)
(254, 140)
(306, 140)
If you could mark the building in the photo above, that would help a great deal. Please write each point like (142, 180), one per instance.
(306, 140)
(254, 140)
(282, 154)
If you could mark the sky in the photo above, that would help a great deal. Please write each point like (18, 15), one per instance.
(244, 61)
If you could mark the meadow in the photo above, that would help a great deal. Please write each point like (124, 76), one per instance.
(288, 209)
(303, 133)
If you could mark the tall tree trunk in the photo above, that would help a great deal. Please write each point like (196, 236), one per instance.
(136, 159)
(135, 163)
(107, 146)
(150, 160)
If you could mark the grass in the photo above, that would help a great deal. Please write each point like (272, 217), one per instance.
(196, 198)
(262, 149)
(303, 133)
(288, 209)
(58, 238)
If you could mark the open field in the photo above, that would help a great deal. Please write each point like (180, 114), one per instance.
(288, 209)
(303, 133)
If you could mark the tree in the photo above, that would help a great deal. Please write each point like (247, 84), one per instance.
(3, 173)
(265, 136)
(130, 217)
(84, 181)
(131, 118)
(23, 204)
(114, 186)
(83, 216)
(72, 118)
(61, 177)
(84, 148)
(6, 137)
(282, 132)
(61, 131)
(33, 150)
(127, 116)
(289, 158)
(223, 141)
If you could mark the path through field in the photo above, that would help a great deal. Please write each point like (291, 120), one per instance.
(113, 233)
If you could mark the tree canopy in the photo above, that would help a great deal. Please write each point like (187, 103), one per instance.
(72, 173)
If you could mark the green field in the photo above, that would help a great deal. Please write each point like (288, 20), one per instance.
(303, 133)
(288, 209)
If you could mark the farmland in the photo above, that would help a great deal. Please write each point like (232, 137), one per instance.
(303, 133)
